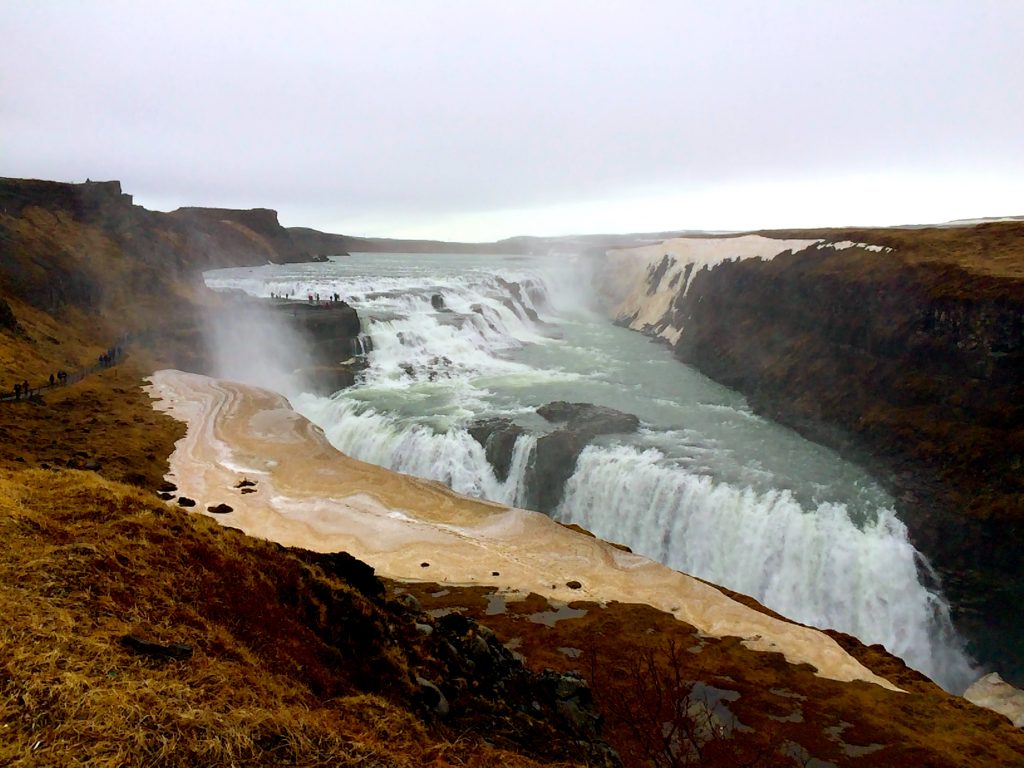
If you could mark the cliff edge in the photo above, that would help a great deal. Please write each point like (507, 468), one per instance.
(901, 348)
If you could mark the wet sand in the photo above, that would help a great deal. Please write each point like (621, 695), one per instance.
(308, 494)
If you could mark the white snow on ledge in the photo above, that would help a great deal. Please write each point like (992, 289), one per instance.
(842, 245)
(626, 280)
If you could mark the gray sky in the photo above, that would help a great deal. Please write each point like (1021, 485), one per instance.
(477, 120)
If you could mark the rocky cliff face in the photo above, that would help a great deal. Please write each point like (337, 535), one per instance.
(86, 255)
(84, 245)
(904, 349)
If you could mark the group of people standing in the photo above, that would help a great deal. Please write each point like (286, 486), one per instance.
(23, 390)
(109, 357)
(315, 297)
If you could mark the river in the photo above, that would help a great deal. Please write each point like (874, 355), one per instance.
(704, 486)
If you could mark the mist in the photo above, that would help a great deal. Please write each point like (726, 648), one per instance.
(251, 342)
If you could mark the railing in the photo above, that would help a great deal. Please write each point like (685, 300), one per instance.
(71, 378)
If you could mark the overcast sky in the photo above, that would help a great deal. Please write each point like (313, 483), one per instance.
(479, 120)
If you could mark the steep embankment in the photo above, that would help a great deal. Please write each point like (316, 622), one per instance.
(81, 265)
(904, 349)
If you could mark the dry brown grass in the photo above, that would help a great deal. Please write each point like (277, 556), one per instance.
(995, 249)
(86, 561)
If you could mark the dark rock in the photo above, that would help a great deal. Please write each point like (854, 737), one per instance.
(92, 466)
(437, 302)
(554, 461)
(167, 487)
(325, 380)
(424, 565)
(331, 331)
(409, 602)
(246, 483)
(220, 509)
(165, 496)
(656, 273)
(185, 501)
(588, 418)
(179, 651)
(8, 321)
(432, 696)
(573, 584)
(498, 437)
(555, 456)
(347, 568)
(248, 490)
(455, 623)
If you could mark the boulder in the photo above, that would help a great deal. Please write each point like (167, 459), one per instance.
(498, 437)
(347, 568)
(588, 418)
(432, 696)
(554, 461)
(555, 455)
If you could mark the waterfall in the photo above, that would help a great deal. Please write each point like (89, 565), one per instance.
(813, 565)
(451, 457)
(703, 488)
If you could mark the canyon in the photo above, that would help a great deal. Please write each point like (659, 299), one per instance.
(902, 349)
(81, 265)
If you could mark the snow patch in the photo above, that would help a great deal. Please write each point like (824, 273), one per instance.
(627, 278)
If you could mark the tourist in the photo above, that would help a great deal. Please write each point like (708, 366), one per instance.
(52, 379)
(17, 391)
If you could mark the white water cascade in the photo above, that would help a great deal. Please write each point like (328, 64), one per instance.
(706, 486)
(815, 566)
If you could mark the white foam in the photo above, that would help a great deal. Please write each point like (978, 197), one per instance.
(815, 565)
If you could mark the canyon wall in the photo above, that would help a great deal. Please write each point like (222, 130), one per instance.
(89, 257)
(903, 349)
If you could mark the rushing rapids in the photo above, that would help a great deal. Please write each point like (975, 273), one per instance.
(704, 486)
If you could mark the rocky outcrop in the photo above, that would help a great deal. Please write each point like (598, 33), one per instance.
(498, 436)
(87, 245)
(588, 419)
(222, 236)
(555, 455)
(8, 321)
(903, 349)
